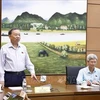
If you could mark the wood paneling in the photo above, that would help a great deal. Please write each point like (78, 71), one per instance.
(87, 97)
(93, 38)
(54, 98)
(93, 28)
(94, 1)
(93, 16)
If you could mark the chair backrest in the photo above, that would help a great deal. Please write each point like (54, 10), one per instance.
(71, 74)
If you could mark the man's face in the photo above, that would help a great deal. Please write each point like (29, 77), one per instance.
(92, 62)
(15, 36)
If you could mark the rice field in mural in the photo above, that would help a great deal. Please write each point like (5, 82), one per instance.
(54, 60)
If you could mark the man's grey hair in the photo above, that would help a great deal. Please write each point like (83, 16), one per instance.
(91, 56)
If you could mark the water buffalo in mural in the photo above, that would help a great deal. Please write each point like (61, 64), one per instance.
(43, 53)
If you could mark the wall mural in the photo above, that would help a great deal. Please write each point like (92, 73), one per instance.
(54, 31)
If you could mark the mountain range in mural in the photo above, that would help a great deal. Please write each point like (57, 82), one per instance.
(56, 21)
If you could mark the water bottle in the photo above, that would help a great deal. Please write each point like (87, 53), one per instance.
(24, 84)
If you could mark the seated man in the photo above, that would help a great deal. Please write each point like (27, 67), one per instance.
(90, 74)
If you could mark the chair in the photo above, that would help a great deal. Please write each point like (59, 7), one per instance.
(71, 74)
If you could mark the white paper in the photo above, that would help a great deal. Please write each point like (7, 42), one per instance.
(15, 88)
(42, 89)
(94, 85)
(47, 85)
(86, 87)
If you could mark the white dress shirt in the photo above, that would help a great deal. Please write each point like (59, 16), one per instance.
(85, 75)
(15, 59)
(1, 70)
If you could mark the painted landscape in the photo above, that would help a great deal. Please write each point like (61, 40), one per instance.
(52, 43)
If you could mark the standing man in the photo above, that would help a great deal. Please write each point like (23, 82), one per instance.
(14, 60)
(90, 74)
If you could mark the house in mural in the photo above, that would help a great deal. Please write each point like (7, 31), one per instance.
(36, 25)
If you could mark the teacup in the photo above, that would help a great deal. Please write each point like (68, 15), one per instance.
(84, 83)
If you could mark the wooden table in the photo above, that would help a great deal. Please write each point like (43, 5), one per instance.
(64, 92)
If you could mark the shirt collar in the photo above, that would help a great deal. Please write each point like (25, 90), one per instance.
(88, 71)
(11, 46)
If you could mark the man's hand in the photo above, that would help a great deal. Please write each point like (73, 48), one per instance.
(2, 83)
(89, 83)
(34, 77)
(95, 82)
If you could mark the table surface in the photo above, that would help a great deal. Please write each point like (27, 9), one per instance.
(64, 90)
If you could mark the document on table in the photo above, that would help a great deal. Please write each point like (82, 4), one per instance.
(94, 85)
(15, 88)
(84, 87)
(43, 89)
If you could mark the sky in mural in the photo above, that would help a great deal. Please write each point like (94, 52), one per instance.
(43, 8)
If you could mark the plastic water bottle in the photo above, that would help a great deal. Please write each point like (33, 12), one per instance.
(24, 85)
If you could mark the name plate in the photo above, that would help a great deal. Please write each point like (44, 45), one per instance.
(42, 89)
